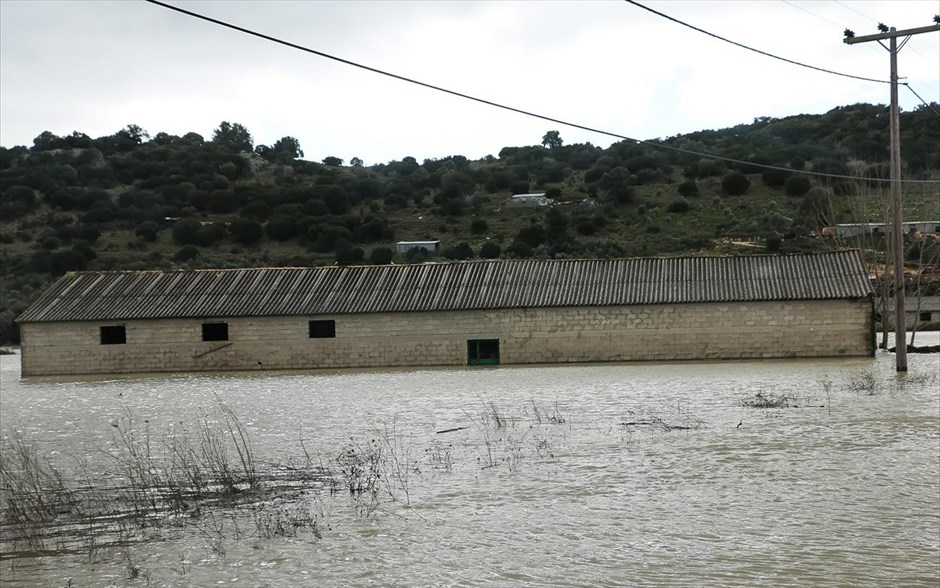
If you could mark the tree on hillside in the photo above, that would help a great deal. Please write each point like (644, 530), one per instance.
(134, 133)
(332, 161)
(193, 139)
(47, 141)
(17, 201)
(552, 139)
(617, 184)
(287, 148)
(816, 208)
(233, 135)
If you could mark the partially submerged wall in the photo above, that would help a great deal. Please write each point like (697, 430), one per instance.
(812, 328)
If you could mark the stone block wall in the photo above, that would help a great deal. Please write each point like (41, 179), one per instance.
(537, 335)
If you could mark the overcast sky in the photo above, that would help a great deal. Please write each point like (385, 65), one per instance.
(96, 67)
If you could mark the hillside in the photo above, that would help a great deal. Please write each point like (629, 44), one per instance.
(134, 201)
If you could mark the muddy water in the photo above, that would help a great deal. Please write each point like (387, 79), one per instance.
(600, 475)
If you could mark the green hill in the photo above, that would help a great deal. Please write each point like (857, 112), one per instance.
(134, 201)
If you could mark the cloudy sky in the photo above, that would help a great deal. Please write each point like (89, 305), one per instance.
(98, 66)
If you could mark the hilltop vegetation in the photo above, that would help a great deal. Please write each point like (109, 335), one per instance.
(134, 201)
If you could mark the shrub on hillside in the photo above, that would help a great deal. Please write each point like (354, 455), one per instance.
(186, 231)
(347, 254)
(520, 249)
(774, 177)
(680, 204)
(280, 228)
(490, 250)
(688, 189)
(519, 187)
(478, 226)
(797, 185)
(186, 253)
(246, 231)
(586, 227)
(460, 252)
(735, 184)
(147, 231)
(381, 256)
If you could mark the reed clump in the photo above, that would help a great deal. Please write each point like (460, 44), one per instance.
(382, 466)
(148, 480)
(762, 399)
(33, 492)
(680, 420)
(863, 383)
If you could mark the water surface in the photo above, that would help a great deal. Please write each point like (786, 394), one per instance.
(601, 475)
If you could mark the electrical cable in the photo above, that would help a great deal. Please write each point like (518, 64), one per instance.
(930, 106)
(832, 22)
(511, 108)
(874, 20)
(758, 51)
(916, 52)
(858, 12)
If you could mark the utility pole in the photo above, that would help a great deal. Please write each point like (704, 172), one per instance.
(897, 235)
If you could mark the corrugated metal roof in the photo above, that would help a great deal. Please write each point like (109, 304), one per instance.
(448, 286)
(913, 304)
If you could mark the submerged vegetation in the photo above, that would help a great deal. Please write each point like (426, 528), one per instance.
(206, 477)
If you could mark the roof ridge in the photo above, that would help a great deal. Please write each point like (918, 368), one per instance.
(468, 261)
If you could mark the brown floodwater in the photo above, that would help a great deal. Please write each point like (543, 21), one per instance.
(639, 474)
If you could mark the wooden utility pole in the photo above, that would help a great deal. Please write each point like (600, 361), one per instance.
(897, 234)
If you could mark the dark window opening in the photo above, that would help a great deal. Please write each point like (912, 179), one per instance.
(322, 329)
(114, 335)
(215, 331)
(924, 317)
(483, 352)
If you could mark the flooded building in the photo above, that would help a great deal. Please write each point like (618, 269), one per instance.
(469, 313)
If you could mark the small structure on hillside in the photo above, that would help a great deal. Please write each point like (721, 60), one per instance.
(535, 199)
(920, 312)
(429, 246)
(466, 313)
(846, 230)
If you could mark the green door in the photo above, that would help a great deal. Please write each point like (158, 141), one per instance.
(483, 352)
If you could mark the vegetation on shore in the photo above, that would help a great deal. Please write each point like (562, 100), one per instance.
(135, 201)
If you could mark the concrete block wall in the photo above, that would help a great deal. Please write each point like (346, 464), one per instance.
(537, 335)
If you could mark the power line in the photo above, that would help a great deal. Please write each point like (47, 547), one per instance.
(811, 13)
(758, 51)
(858, 12)
(509, 108)
(930, 106)
(879, 22)
(823, 18)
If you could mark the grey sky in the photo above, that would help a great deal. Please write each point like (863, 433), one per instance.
(97, 66)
